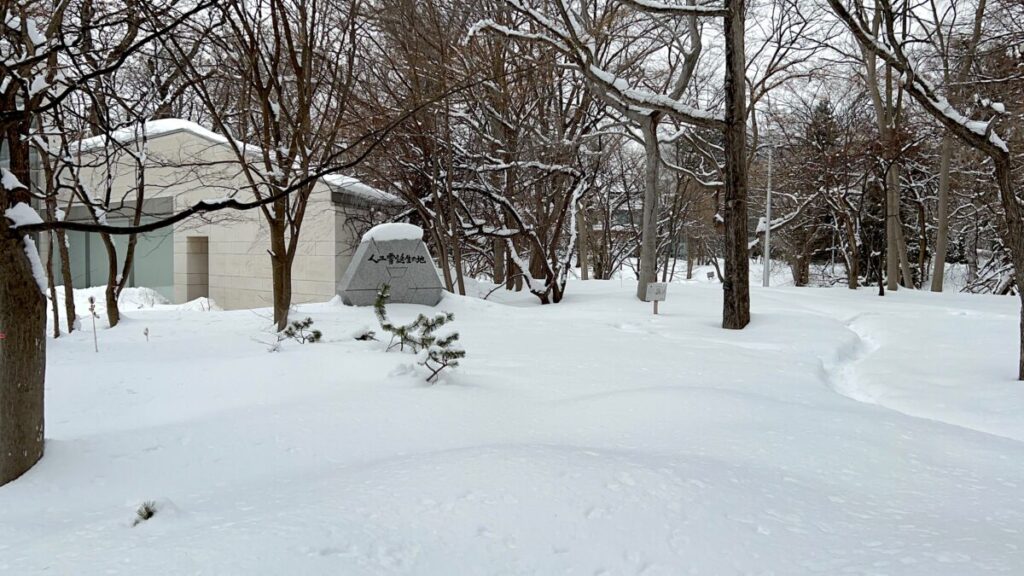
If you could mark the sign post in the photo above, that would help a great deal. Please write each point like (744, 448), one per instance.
(656, 292)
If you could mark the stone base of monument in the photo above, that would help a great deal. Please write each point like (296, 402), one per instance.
(392, 254)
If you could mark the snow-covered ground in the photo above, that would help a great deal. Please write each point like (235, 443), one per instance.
(840, 433)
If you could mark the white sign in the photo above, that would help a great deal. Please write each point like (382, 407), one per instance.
(656, 291)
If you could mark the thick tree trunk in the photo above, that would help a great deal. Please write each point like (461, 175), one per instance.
(22, 359)
(23, 330)
(942, 230)
(736, 284)
(1013, 238)
(281, 274)
(649, 227)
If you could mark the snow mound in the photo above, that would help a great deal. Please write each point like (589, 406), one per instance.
(9, 181)
(388, 232)
(22, 214)
(131, 298)
(200, 305)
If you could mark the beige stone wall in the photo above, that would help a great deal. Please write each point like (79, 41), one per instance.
(189, 169)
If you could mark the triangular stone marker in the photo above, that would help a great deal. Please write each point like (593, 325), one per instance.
(392, 254)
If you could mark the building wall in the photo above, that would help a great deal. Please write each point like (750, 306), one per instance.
(188, 168)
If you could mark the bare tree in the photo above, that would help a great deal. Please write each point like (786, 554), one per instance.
(977, 134)
(41, 66)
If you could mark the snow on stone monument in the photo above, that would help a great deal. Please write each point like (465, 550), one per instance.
(392, 254)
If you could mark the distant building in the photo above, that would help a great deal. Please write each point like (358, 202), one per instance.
(224, 255)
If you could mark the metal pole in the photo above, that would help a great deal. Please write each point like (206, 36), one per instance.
(768, 224)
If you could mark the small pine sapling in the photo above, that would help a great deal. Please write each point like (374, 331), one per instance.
(439, 352)
(300, 331)
(401, 336)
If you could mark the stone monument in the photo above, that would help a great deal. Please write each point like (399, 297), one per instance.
(392, 254)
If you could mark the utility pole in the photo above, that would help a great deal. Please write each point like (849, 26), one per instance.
(768, 223)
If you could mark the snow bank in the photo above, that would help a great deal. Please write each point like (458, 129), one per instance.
(393, 231)
(200, 305)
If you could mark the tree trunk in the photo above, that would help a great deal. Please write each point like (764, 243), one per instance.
(22, 359)
(584, 243)
(110, 294)
(689, 257)
(892, 264)
(281, 273)
(971, 251)
(852, 256)
(736, 284)
(898, 242)
(440, 241)
(942, 231)
(50, 283)
(499, 261)
(1013, 238)
(65, 272)
(649, 227)
(22, 332)
(922, 241)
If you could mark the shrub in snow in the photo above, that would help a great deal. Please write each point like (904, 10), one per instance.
(440, 352)
(146, 511)
(364, 334)
(301, 332)
(436, 352)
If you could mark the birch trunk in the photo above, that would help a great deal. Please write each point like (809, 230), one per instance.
(942, 230)
(649, 225)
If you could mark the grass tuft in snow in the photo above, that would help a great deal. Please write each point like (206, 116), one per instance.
(146, 511)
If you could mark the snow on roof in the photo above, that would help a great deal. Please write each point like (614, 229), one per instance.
(358, 189)
(153, 129)
(393, 231)
(167, 126)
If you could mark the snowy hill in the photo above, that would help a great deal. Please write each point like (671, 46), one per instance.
(840, 433)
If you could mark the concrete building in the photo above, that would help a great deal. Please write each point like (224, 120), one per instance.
(224, 255)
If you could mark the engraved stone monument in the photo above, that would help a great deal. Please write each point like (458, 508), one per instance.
(392, 254)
